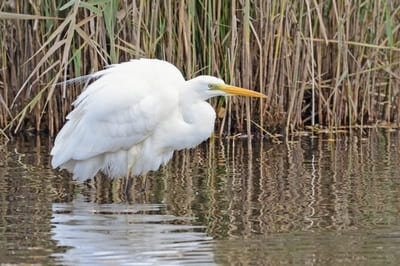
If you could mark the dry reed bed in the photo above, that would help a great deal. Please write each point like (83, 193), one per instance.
(321, 63)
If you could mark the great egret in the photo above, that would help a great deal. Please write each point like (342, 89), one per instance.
(134, 116)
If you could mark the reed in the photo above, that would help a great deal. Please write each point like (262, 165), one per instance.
(323, 64)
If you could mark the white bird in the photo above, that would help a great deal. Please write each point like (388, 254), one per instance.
(133, 117)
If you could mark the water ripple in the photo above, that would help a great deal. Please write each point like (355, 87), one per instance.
(125, 235)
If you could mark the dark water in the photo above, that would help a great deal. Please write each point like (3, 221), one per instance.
(307, 202)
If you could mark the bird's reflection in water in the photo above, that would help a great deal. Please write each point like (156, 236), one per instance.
(126, 233)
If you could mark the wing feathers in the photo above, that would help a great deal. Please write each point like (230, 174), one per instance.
(117, 111)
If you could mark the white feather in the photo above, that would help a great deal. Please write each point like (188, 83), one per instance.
(106, 118)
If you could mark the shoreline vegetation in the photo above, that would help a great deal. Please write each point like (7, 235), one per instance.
(325, 66)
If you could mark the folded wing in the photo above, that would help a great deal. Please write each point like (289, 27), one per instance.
(117, 111)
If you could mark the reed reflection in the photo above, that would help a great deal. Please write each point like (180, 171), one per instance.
(27, 191)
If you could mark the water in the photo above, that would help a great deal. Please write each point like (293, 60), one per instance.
(307, 202)
(132, 234)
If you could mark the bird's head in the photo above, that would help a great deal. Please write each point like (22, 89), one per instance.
(209, 86)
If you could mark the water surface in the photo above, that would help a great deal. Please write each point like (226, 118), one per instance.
(309, 201)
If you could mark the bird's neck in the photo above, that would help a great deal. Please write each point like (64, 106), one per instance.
(199, 119)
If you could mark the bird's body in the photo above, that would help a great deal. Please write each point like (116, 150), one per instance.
(131, 119)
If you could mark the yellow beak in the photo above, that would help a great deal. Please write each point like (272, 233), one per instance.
(239, 91)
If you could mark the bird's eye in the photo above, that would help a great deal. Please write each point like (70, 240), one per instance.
(212, 86)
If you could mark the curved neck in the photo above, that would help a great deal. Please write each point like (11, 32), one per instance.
(197, 124)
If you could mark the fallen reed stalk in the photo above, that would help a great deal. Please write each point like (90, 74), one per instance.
(322, 64)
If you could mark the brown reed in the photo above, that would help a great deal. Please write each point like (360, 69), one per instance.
(322, 64)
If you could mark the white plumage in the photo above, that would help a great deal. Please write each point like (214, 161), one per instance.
(131, 119)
